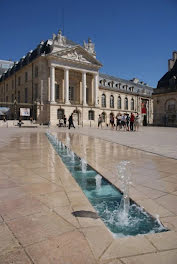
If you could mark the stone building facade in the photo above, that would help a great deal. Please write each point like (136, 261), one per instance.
(165, 96)
(61, 77)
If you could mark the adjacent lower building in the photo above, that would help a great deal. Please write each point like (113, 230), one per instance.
(5, 65)
(165, 96)
(61, 77)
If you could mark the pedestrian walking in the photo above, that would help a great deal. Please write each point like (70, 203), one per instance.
(70, 120)
(132, 119)
(128, 122)
(100, 120)
(123, 122)
(137, 122)
(64, 119)
(112, 121)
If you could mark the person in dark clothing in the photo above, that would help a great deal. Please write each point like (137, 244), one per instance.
(64, 119)
(70, 120)
(132, 119)
(20, 123)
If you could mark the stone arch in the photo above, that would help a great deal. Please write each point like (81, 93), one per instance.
(77, 116)
(60, 113)
(104, 116)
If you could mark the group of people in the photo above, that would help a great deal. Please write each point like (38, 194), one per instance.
(123, 121)
(70, 121)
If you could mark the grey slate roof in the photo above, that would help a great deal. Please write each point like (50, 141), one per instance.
(123, 81)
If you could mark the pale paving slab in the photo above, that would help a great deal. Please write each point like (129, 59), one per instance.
(7, 241)
(41, 188)
(25, 179)
(71, 248)
(164, 240)
(66, 213)
(77, 198)
(170, 222)
(167, 257)
(171, 179)
(150, 193)
(21, 207)
(168, 201)
(129, 246)
(115, 261)
(38, 227)
(161, 185)
(14, 257)
(154, 208)
(11, 194)
(99, 239)
(54, 199)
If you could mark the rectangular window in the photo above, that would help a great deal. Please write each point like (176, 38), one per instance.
(91, 115)
(87, 95)
(7, 98)
(36, 91)
(57, 90)
(12, 99)
(36, 71)
(26, 76)
(6, 87)
(18, 96)
(26, 95)
(71, 93)
(19, 81)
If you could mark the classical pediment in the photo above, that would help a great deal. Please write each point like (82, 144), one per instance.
(77, 54)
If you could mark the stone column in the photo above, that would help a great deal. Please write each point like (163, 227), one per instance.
(96, 89)
(84, 88)
(66, 85)
(52, 84)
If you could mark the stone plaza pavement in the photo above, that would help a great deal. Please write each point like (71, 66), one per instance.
(38, 195)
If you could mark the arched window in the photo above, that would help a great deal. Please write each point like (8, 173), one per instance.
(111, 101)
(60, 114)
(91, 115)
(132, 104)
(119, 102)
(103, 100)
(103, 116)
(126, 103)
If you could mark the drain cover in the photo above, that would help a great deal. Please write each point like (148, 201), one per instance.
(83, 213)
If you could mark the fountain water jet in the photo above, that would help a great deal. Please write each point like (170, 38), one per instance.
(72, 155)
(83, 165)
(124, 177)
(98, 179)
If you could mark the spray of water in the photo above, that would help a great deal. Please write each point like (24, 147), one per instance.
(124, 177)
(98, 179)
(83, 165)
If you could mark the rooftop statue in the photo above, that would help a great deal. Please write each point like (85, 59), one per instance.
(90, 47)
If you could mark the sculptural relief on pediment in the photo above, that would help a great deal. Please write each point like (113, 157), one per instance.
(75, 56)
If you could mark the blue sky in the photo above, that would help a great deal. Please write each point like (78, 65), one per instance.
(133, 38)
